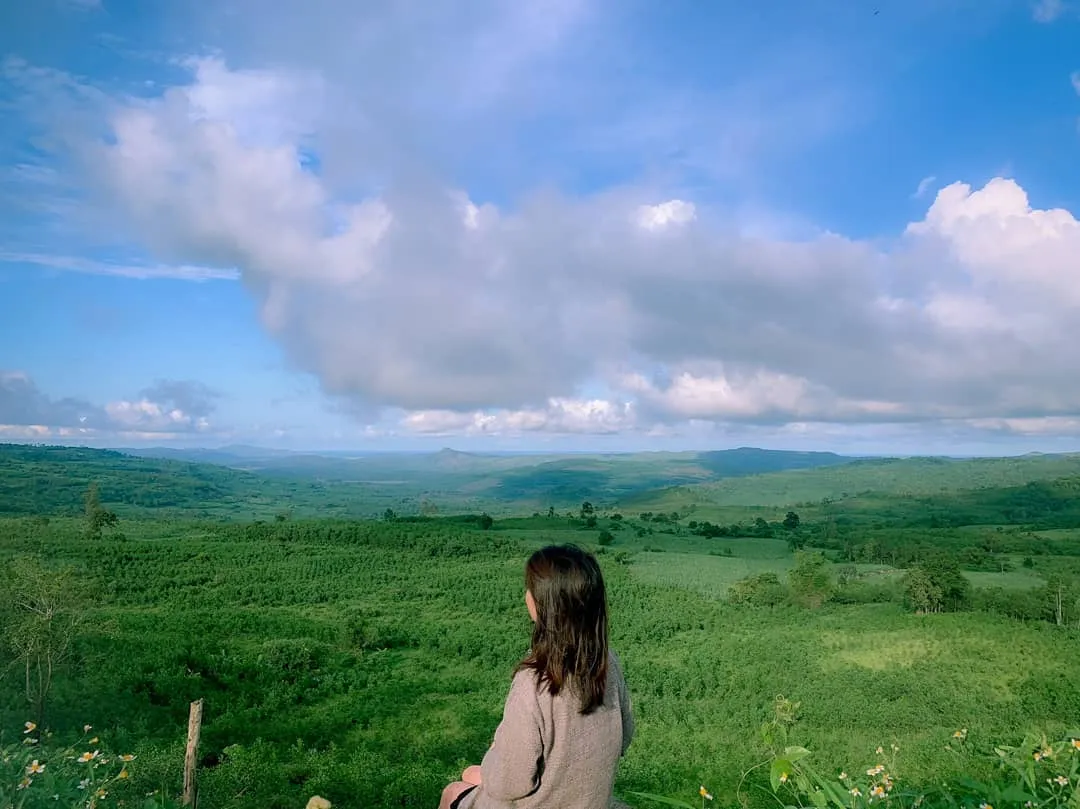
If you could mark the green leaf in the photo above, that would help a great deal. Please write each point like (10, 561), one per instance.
(780, 766)
(794, 754)
(836, 794)
(1016, 794)
(661, 799)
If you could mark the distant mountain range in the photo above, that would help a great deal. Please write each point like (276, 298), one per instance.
(253, 482)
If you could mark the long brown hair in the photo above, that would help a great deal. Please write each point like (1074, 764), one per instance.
(570, 638)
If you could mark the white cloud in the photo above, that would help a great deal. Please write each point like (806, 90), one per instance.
(321, 182)
(666, 214)
(566, 416)
(1075, 79)
(417, 298)
(1003, 243)
(153, 417)
(167, 408)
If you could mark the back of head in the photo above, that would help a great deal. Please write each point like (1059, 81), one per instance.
(569, 643)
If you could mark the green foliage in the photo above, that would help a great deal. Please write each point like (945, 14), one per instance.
(38, 772)
(97, 517)
(937, 585)
(810, 581)
(759, 590)
(41, 609)
(1036, 773)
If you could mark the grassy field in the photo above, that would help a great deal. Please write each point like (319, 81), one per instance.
(367, 661)
(331, 653)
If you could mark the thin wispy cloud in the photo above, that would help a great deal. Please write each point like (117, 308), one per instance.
(925, 185)
(120, 269)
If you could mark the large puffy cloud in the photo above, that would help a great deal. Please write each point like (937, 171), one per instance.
(483, 317)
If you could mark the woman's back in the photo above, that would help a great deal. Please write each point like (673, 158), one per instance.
(548, 755)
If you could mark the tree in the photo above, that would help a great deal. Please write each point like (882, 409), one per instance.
(791, 521)
(40, 608)
(920, 591)
(486, 521)
(1060, 597)
(389, 515)
(97, 517)
(551, 512)
(606, 537)
(937, 585)
(810, 582)
(587, 510)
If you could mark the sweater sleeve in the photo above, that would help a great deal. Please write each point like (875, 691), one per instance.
(626, 709)
(512, 766)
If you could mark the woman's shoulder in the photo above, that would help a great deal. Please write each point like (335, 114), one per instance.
(614, 660)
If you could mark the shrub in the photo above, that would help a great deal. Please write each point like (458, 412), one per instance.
(759, 590)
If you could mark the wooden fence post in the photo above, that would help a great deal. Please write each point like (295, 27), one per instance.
(191, 756)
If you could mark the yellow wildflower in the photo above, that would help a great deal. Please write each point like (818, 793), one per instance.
(1061, 781)
(35, 768)
(878, 770)
(878, 791)
(87, 728)
(880, 750)
(123, 773)
(30, 727)
(23, 784)
(855, 791)
(318, 802)
(783, 777)
(843, 776)
(985, 806)
(101, 793)
(93, 740)
(88, 756)
(1075, 743)
(127, 757)
(704, 793)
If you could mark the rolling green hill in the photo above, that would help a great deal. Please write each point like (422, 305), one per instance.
(891, 476)
(246, 482)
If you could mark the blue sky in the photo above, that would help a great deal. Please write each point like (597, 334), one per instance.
(560, 224)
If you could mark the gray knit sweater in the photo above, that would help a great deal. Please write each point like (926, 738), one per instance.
(546, 755)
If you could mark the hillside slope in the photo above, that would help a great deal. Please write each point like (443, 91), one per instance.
(892, 476)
